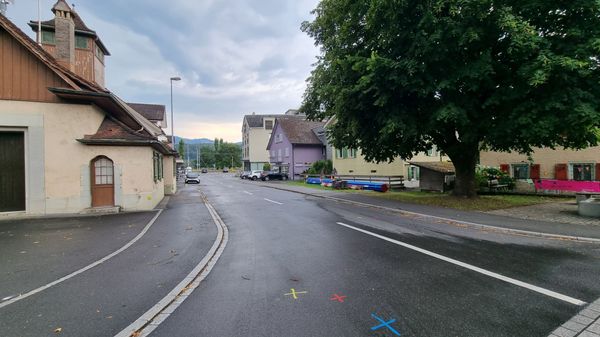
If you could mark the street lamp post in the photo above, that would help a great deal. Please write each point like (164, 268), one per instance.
(172, 122)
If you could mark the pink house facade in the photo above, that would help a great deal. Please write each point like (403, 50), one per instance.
(294, 146)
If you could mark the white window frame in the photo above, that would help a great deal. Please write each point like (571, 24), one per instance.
(571, 175)
(512, 170)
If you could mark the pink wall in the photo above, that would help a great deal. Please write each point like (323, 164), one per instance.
(567, 185)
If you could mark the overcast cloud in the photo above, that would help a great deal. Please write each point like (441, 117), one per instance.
(235, 56)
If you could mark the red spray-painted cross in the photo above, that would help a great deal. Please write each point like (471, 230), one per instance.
(339, 298)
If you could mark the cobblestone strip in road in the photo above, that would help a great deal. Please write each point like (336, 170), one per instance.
(584, 324)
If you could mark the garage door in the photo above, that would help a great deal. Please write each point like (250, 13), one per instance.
(12, 171)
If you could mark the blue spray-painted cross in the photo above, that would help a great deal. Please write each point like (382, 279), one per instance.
(384, 324)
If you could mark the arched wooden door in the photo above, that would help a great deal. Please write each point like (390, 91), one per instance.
(103, 182)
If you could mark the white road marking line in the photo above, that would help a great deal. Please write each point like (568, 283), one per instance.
(150, 320)
(84, 269)
(473, 268)
(275, 202)
(249, 193)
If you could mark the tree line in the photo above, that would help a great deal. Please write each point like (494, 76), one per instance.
(218, 155)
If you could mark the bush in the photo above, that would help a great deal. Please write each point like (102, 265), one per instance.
(267, 167)
(321, 167)
(485, 175)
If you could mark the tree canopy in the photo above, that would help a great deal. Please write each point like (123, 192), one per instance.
(401, 76)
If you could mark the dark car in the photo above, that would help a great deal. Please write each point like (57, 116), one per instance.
(266, 176)
(192, 177)
(204, 170)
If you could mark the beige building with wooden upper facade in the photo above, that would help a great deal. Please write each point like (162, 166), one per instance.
(545, 163)
(66, 143)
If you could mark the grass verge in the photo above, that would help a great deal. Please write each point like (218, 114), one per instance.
(482, 203)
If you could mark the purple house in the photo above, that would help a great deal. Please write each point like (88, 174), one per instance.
(295, 145)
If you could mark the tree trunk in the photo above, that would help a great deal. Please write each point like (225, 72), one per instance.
(465, 159)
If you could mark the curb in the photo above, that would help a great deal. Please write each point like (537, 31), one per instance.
(152, 318)
(448, 220)
(585, 324)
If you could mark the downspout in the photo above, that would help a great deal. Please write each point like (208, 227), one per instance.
(293, 163)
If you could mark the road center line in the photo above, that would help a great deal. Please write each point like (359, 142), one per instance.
(471, 267)
(275, 202)
(86, 268)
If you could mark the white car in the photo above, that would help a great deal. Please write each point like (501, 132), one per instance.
(255, 175)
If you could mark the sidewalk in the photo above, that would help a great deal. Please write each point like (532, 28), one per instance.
(540, 225)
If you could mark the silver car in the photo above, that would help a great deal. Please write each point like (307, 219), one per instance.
(192, 177)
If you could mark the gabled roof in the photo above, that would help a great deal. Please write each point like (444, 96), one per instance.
(152, 112)
(82, 90)
(112, 129)
(113, 133)
(437, 166)
(80, 26)
(256, 121)
(299, 131)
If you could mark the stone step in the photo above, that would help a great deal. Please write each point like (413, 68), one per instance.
(102, 210)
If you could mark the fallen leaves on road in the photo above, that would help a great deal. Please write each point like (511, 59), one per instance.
(58, 330)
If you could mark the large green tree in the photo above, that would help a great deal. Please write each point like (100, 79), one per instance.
(466, 75)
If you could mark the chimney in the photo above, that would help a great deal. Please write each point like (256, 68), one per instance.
(65, 34)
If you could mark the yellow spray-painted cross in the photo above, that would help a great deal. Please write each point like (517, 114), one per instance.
(294, 293)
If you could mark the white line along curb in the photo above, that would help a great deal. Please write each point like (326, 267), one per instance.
(150, 320)
(86, 268)
(471, 267)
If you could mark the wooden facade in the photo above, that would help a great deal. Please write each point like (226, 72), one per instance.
(23, 77)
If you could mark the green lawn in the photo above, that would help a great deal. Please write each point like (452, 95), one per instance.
(482, 203)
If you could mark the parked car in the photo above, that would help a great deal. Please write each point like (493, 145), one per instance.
(192, 177)
(255, 175)
(226, 170)
(204, 170)
(245, 174)
(266, 176)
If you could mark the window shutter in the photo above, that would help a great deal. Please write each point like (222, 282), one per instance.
(560, 172)
(505, 168)
(598, 172)
(534, 172)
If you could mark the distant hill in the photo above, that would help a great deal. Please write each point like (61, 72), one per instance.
(200, 141)
(194, 141)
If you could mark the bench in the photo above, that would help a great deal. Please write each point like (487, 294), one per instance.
(499, 187)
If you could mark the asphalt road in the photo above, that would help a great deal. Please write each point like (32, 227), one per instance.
(292, 267)
(281, 241)
(106, 299)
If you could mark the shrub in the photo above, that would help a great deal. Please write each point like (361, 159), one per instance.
(321, 167)
(485, 175)
(267, 167)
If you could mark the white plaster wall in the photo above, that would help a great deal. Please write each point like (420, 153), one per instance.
(60, 165)
(31, 122)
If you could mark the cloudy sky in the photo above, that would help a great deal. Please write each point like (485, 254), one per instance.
(235, 56)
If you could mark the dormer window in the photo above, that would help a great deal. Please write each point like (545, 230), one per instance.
(269, 125)
(82, 42)
(48, 37)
